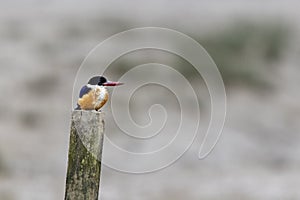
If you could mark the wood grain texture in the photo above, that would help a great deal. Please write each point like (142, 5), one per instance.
(84, 159)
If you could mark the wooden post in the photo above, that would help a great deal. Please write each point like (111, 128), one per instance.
(85, 151)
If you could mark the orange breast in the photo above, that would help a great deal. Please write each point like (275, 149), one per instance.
(87, 101)
(95, 99)
(101, 103)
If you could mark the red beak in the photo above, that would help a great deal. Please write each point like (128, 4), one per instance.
(111, 83)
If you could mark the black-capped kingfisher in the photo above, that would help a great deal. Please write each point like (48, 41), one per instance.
(94, 94)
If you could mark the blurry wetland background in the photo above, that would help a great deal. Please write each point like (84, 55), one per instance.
(255, 45)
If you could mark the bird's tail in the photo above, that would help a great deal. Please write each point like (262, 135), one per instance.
(78, 107)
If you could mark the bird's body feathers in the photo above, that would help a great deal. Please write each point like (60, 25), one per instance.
(92, 97)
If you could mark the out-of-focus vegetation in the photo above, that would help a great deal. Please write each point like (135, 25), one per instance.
(2, 167)
(245, 51)
(43, 45)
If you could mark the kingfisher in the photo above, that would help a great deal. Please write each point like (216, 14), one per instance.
(94, 94)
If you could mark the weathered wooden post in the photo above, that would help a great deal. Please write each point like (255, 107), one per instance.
(85, 152)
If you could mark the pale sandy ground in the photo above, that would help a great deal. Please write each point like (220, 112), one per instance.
(257, 157)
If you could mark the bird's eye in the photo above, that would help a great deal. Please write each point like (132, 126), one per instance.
(102, 79)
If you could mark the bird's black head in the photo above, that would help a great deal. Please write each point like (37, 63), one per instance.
(97, 80)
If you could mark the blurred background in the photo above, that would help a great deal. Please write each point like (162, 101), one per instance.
(255, 44)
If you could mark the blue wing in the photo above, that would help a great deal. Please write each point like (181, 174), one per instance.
(84, 90)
